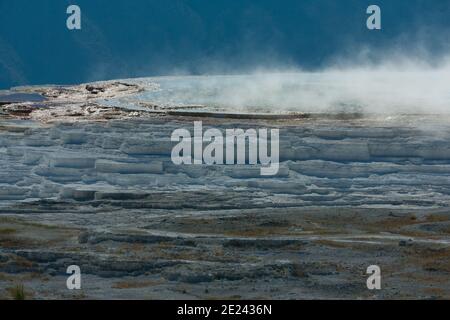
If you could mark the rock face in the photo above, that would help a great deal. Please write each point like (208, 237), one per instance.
(95, 186)
(363, 163)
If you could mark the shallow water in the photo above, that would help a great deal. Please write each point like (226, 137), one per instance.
(20, 97)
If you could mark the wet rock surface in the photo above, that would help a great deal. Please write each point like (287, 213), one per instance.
(88, 184)
(313, 253)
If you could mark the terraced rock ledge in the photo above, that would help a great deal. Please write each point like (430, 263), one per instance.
(83, 182)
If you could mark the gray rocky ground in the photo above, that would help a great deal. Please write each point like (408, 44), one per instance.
(85, 183)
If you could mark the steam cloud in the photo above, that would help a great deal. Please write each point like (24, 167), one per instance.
(395, 86)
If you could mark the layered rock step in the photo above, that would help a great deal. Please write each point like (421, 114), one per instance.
(322, 162)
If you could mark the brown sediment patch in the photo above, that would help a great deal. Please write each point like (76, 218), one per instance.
(135, 284)
(402, 224)
(245, 226)
(307, 269)
(232, 297)
(5, 277)
(428, 258)
(393, 222)
(12, 242)
(258, 232)
(434, 217)
(184, 253)
(427, 278)
(21, 262)
(5, 231)
(333, 244)
(19, 234)
(435, 291)
(20, 222)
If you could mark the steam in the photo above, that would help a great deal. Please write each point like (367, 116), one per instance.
(392, 86)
